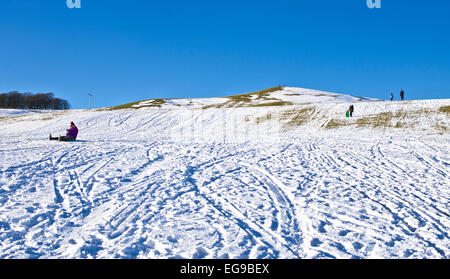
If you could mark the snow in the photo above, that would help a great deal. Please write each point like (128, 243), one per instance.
(287, 94)
(302, 95)
(10, 112)
(222, 183)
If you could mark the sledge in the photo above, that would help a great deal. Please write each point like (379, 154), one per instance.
(62, 138)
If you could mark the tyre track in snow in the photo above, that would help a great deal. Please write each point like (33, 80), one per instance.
(403, 217)
(89, 186)
(231, 213)
(57, 191)
(426, 162)
(400, 197)
(287, 223)
(135, 211)
(38, 218)
(284, 235)
(324, 201)
(349, 164)
(257, 235)
(417, 186)
(72, 192)
(45, 158)
(39, 167)
(140, 188)
(150, 123)
(80, 213)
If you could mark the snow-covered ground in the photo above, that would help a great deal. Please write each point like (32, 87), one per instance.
(292, 95)
(10, 112)
(252, 182)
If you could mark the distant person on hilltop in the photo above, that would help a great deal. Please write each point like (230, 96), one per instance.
(351, 109)
(71, 134)
(402, 95)
(392, 97)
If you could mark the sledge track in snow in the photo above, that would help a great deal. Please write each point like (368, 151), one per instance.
(286, 220)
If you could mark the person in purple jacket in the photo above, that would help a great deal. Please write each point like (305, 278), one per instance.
(71, 134)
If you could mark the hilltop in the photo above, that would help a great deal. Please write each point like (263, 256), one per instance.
(276, 96)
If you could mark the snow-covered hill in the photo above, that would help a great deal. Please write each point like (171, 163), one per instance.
(261, 175)
(276, 96)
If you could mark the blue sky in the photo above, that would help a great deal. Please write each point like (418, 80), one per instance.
(128, 50)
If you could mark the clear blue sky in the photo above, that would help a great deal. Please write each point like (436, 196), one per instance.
(129, 50)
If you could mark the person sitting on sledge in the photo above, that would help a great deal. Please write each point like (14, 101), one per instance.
(71, 134)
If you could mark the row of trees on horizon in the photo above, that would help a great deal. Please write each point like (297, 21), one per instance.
(17, 100)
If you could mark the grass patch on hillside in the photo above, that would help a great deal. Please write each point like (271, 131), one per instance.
(249, 97)
(288, 118)
(133, 105)
(376, 121)
(259, 94)
(264, 118)
(12, 117)
(380, 120)
(334, 123)
(272, 104)
(401, 119)
(222, 105)
(245, 100)
(125, 106)
(441, 128)
(445, 109)
(156, 103)
(297, 117)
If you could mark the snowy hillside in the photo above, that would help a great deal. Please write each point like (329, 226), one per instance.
(279, 174)
(276, 96)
